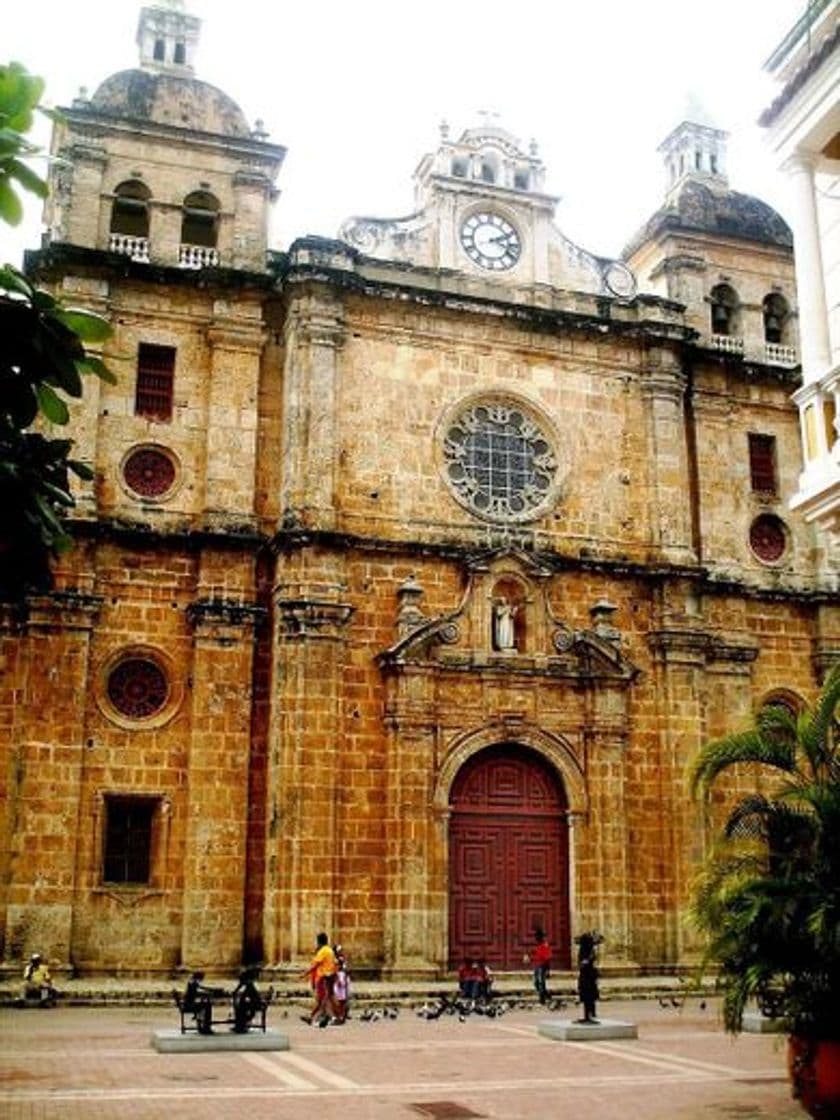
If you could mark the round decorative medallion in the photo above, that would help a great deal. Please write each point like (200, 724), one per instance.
(137, 687)
(499, 461)
(768, 538)
(149, 472)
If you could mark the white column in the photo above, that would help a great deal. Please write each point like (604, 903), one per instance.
(810, 279)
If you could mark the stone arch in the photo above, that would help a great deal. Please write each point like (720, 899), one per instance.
(551, 747)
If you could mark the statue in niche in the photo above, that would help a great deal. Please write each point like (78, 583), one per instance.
(504, 616)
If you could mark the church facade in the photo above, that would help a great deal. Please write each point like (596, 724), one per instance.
(417, 564)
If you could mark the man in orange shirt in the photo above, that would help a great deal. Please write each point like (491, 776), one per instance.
(321, 972)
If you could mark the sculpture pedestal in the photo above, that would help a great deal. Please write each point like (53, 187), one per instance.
(753, 1022)
(567, 1030)
(173, 1042)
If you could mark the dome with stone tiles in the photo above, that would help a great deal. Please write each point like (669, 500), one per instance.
(178, 100)
(704, 207)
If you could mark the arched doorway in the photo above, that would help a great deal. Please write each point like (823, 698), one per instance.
(508, 858)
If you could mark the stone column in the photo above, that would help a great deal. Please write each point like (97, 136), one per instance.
(217, 813)
(310, 408)
(810, 277)
(304, 769)
(47, 685)
(670, 498)
(252, 194)
(237, 338)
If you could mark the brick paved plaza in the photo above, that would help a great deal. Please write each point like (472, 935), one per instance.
(89, 1062)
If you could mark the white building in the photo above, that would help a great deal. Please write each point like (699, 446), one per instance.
(803, 126)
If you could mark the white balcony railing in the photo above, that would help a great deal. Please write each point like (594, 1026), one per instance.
(135, 247)
(728, 343)
(777, 355)
(198, 256)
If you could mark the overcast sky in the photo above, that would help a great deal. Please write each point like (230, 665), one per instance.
(356, 91)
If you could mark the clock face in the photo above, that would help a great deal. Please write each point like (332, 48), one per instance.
(490, 241)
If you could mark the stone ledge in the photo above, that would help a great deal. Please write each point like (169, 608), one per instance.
(567, 1030)
(173, 1042)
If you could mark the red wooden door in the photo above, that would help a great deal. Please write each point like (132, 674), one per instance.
(508, 856)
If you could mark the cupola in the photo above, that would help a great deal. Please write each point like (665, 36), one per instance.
(694, 150)
(167, 37)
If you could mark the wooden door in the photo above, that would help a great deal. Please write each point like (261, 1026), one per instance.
(508, 856)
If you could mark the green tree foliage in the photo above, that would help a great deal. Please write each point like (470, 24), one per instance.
(768, 897)
(43, 360)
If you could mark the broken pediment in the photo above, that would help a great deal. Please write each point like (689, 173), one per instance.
(504, 623)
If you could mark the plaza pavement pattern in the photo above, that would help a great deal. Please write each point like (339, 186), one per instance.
(98, 1062)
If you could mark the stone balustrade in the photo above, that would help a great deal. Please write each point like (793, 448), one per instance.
(777, 355)
(128, 246)
(198, 256)
(729, 344)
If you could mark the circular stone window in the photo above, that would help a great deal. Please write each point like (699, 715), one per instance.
(499, 460)
(768, 538)
(149, 472)
(137, 688)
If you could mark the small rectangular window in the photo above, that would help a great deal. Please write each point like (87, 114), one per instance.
(127, 845)
(763, 463)
(155, 381)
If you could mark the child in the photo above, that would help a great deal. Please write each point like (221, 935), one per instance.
(341, 987)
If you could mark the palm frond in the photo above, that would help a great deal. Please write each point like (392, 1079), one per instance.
(750, 746)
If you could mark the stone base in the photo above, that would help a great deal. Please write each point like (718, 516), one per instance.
(567, 1030)
(753, 1022)
(173, 1042)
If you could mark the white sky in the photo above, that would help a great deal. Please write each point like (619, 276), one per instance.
(356, 90)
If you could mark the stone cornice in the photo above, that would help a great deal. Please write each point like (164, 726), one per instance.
(209, 615)
(59, 257)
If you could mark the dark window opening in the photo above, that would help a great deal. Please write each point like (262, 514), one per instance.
(160, 50)
(180, 53)
(200, 224)
(130, 209)
(459, 168)
(127, 848)
(488, 172)
(155, 381)
(763, 463)
(713, 163)
(698, 161)
(520, 180)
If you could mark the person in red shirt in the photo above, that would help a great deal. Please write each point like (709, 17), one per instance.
(540, 960)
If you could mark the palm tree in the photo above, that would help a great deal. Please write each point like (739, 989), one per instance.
(768, 897)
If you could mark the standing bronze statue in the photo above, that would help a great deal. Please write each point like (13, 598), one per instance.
(588, 974)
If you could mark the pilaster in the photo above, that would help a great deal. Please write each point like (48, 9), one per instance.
(217, 814)
(670, 493)
(310, 408)
(48, 679)
(236, 337)
(303, 859)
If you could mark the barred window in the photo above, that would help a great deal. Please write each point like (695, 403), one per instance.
(763, 463)
(155, 381)
(499, 461)
(127, 846)
(137, 687)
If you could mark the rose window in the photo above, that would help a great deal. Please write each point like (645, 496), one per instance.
(499, 461)
(137, 687)
(768, 538)
(149, 472)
